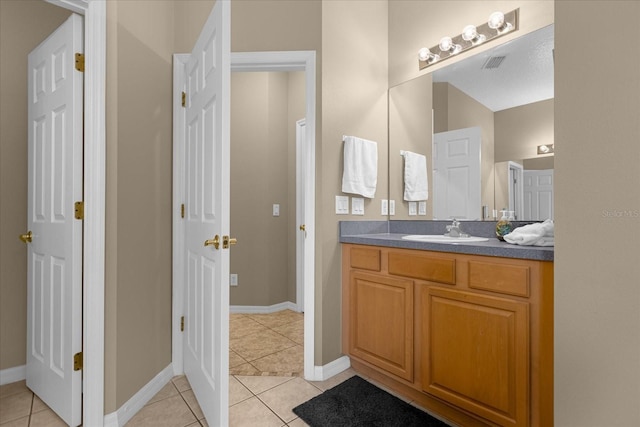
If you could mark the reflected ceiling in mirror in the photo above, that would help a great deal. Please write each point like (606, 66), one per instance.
(512, 74)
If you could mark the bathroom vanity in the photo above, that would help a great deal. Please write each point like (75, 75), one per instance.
(465, 330)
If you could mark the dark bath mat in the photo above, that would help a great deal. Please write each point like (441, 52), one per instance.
(358, 403)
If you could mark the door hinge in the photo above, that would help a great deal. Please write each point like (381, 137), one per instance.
(77, 361)
(184, 99)
(182, 323)
(80, 62)
(79, 210)
(182, 210)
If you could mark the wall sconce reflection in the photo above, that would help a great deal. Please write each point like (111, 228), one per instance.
(545, 149)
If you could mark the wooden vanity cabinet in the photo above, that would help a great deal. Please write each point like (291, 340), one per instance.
(469, 337)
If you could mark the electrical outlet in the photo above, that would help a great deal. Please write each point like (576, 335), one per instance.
(384, 207)
(276, 210)
(233, 280)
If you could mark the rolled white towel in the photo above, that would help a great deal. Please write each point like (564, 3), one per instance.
(538, 234)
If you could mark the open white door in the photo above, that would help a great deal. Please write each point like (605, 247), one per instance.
(54, 260)
(206, 298)
(302, 169)
(456, 174)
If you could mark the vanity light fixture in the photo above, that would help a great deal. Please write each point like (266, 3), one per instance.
(545, 149)
(498, 25)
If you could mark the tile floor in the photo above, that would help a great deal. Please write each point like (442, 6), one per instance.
(260, 345)
(266, 344)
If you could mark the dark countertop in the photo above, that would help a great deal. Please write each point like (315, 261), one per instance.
(381, 233)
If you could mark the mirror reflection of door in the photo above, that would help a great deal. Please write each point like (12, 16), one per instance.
(456, 174)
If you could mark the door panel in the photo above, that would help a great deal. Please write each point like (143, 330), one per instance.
(456, 174)
(206, 348)
(54, 272)
(538, 194)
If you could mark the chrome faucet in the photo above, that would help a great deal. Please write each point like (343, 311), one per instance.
(454, 230)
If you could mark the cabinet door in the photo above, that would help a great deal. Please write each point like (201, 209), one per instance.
(475, 351)
(381, 312)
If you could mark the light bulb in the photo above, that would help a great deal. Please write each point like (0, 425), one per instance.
(425, 55)
(496, 22)
(447, 45)
(470, 34)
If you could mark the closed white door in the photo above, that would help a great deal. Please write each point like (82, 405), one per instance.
(538, 194)
(54, 260)
(206, 340)
(456, 174)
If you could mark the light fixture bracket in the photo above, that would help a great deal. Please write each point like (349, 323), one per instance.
(483, 30)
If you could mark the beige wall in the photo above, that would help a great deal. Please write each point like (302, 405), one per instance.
(354, 102)
(139, 153)
(261, 175)
(410, 129)
(597, 211)
(520, 130)
(23, 25)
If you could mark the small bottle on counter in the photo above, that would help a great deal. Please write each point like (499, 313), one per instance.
(504, 226)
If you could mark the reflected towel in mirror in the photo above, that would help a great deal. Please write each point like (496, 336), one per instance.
(416, 184)
(360, 172)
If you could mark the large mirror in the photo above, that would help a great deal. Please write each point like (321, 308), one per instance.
(482, 123)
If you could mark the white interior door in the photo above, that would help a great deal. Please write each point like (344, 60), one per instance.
(54, 260)
(538, 194)
(206, 299)
(302, 169)
(456, 174)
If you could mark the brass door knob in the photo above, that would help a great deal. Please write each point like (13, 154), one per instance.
(303, 227)
(226, 241)
(215, 242)
(27, 238)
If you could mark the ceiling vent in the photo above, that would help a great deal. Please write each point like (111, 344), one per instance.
(493, 62)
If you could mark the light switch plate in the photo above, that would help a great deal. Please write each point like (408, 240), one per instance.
(392, 207)
(276, 210)
(413, 208)
(357, 206)
(342, 205)
(422, 208)
(384, 207)
(233, 280)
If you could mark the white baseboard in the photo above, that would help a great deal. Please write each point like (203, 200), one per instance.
(12, 375)
(144, 395)
(258, 309)
(332, 368)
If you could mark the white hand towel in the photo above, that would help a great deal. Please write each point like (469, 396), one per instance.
(538, 234)
(416, 184)
(360, 172)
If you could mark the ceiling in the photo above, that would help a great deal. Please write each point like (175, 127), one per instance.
(525, 75)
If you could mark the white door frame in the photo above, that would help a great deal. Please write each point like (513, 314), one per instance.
(249, 61)
(516, 195)
(95, 44)
(301, 200)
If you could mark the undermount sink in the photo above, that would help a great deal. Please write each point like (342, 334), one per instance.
(440, 238)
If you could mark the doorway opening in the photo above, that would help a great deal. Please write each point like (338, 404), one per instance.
(272, 62)
(266, 177)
